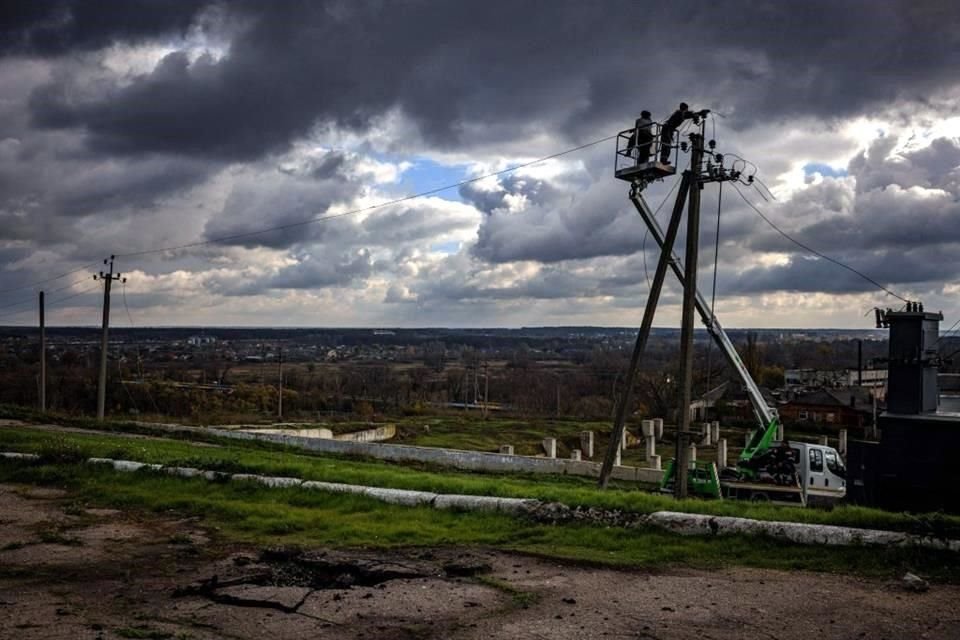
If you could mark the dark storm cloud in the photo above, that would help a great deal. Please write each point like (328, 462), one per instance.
(316, 272)
(51, 27)
(812, 275)
(568, 66)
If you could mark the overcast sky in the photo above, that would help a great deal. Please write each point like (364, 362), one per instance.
(131, 126)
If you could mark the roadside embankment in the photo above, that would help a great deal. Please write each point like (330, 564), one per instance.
(557, 513)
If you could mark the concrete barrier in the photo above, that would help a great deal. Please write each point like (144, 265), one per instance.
(682, 523)
(452, 458)
(125, 465)
(698, 524)
(333, 487)
(401, 496)
(481, 503)
(386, 432)
(11, 455)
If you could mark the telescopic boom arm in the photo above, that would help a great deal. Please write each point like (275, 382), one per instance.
(765, 415)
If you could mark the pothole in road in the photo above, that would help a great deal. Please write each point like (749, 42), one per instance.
(318, 571)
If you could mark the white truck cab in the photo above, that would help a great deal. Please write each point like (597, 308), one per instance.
(822, 473)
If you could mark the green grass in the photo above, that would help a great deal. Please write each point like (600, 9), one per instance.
(246, 512)
(252, 457)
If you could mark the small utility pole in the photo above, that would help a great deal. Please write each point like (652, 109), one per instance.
(859, 363)
(558, 395)
(280, 386)
(43, 359)
(108, 279)
(686, 328)
(486, 389)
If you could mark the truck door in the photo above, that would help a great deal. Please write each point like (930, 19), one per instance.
(816, 478)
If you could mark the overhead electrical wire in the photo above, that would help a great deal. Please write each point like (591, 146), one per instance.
(324, 218)
(33, 299)
(52, 303)
(813, 251)
(51, 279)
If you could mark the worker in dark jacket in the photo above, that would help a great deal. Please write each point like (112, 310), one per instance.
(642, 138)
(670, 127)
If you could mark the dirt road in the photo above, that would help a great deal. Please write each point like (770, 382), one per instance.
(71, 572)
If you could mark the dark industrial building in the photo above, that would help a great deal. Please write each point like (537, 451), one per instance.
(914, 464)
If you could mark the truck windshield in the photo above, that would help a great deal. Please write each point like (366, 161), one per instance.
(835, 465)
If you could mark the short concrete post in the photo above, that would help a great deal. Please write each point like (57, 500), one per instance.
(842, 447)
(715, 428)
(616, 459)
(693, 453)
(575, 455)
(722, 453)
(654, 462)
(649, 431)
(550, 446)
(623, 439)
(506, 449)
(658, 427)
(780, 433)
(706, 434)
(651, 447)
(825, 441)
(586, 443)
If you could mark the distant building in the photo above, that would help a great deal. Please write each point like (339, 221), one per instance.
(812, 378)
(845, 407)
(196, 341)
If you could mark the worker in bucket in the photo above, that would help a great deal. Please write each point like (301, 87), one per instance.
(641, 139)
(669, 128)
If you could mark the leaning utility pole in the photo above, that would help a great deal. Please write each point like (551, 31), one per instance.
(686, 327)
(43, 359)
(653, 298)
(108, 279)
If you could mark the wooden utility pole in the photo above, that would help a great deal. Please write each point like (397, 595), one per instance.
(486, 389)
(686, 327)
(43, 358)
(280, 385)
(108, 279)
(653, 298)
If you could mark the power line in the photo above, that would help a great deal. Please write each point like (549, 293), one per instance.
(51, 279)
(324, 218)
(948, 331)
(814, 251)
(31, 299)
(50, 303)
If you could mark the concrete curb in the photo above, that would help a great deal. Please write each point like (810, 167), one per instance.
(676, 522)
(801, 533)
